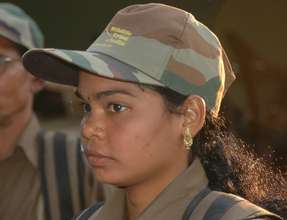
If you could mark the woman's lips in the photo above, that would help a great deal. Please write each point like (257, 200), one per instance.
(98, 160)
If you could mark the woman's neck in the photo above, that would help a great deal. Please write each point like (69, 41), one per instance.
(140, 195)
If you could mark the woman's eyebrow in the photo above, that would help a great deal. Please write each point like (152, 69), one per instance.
(111, 92)
(106, 93)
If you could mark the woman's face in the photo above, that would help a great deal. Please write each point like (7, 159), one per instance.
(128, 133)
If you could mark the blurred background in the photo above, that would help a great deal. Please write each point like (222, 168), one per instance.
(253, 33)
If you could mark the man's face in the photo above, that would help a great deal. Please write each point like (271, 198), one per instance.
(16, 91)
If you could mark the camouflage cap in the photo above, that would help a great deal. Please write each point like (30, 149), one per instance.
(147, 43)
(19, 27)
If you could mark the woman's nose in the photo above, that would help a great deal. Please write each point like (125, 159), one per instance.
(92, 127)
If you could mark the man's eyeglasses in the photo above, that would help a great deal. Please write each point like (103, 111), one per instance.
(4, 61)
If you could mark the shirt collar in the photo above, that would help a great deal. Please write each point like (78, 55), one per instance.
(186, 185)
(27, 140)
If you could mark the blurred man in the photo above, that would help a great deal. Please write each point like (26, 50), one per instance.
(42, 174)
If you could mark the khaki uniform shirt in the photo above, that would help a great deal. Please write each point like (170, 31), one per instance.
(171, 203)
(20, 196)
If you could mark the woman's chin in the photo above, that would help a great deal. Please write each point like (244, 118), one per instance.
(108, 178)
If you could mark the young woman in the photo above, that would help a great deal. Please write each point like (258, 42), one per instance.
(151, 87)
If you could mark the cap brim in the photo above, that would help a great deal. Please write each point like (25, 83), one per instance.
(63, 66)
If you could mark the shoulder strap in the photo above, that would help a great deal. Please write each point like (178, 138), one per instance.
(89, 211)
(194, 202)
(42, 172)
(226, 205)
(222, 205)
(62, 176)
(219, 207)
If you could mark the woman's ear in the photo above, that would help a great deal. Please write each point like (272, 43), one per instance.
(194, 111)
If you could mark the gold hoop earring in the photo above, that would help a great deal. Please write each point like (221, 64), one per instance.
(187, 139)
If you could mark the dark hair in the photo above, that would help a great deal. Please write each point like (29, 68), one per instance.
(230, 165)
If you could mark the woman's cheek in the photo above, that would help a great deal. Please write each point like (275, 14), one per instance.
(127, 133)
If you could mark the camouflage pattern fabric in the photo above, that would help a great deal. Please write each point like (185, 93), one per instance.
(151, 44)
(19, 27)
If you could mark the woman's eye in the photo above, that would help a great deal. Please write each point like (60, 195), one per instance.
(86, 107)
(117, 107)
